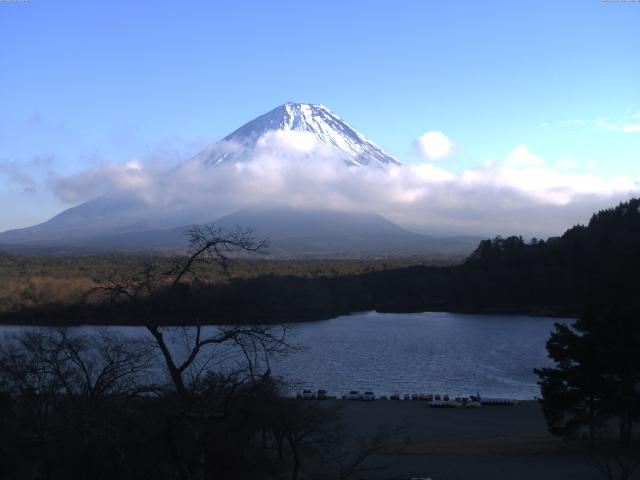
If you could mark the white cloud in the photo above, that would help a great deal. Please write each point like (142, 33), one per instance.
(521, 193)
(27, 175)
(522, 157)
(135, 165)
(565, 163)
(576, 122)
(107, 177)
(433, 144)
(631, 127)
(628, 124)
(624, 127)
(289, 141)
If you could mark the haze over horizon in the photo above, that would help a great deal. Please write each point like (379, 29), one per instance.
(508, 120)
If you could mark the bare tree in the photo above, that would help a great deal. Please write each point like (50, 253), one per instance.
(49, 363)
(68, 388)
(151, 293)
(304, 426)
(148, 287)
(616, 464)
(97, 366)
(27, 379)
(346, 455)
(319, 442)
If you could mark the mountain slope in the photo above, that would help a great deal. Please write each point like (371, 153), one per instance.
(353, 147)
(104, 216)
(316, 232)
(125, 220)
(292, 233)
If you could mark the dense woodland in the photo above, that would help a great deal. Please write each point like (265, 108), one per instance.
(588, 266)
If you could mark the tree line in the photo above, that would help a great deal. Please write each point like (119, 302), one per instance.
(588, 266)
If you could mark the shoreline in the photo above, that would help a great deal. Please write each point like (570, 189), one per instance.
(9, 319)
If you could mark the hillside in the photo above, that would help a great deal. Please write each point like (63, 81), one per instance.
(129, 220)
(593, 264)
(590, 265)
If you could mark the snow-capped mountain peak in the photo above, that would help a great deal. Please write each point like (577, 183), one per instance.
(316, 119)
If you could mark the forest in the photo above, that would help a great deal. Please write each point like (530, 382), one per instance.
(587, 266)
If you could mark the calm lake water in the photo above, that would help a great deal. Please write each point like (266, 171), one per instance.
(458, 354)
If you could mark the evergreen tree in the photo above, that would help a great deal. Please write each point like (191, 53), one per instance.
(596, 376)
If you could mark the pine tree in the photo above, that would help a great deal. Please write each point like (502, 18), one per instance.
(596, 375)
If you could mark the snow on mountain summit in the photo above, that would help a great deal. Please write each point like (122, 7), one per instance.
(315, 119)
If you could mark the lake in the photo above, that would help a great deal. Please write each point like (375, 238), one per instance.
(458, 354)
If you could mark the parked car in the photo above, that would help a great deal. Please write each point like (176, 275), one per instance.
(394, 396)
(369, 396)
(321, 395)
(354, 395)
(308, 395)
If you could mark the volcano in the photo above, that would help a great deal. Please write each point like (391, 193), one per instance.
(125, 221)
(318, 121)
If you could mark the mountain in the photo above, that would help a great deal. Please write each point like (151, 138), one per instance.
(104, 217)
(126, 221)
(335, 233)
(291, 233)
(326, 127)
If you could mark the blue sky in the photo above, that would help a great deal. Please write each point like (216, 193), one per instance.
(83, 83)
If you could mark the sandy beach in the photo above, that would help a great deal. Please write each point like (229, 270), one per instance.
(492, 442)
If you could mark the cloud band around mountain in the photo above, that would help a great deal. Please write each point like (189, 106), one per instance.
(519, 194)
